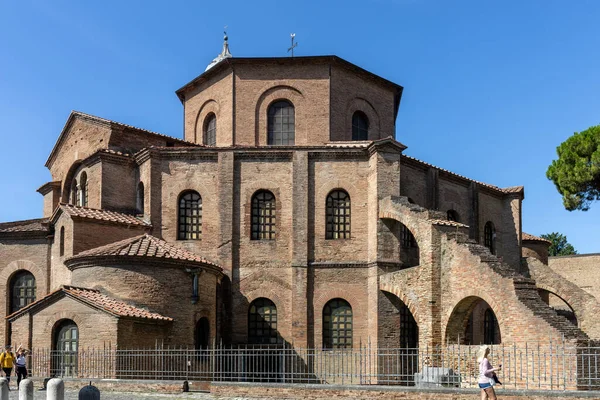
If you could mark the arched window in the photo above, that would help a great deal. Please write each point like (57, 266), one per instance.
(83, 192)
(263, 216)
(74, 193)
(202, 334)
(262, 322)
(337, 325)
(337, 215)
(140, 198)
(22, 290)
(210, 130)
(409, 330)
(452, 215)
(190, 216)
(360, 126)
(61, 241)
(490, 328)
(408, 240)
(281, 124)
(489, 236)
(66, 345)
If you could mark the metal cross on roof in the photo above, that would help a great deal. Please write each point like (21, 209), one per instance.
(294, 45)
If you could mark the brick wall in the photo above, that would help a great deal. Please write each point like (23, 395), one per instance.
(581, 269)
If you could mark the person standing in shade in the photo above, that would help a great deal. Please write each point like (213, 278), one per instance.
(7, 360)
(21, 364)
(486, 374)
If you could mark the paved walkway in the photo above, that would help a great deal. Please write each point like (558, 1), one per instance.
(73, 395)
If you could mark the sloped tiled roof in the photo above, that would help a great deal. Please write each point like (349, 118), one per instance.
(30, 225)
(448, 223)
(532, 238)
(98, 300)
(511, 189)
(102, 215)
(144, 246)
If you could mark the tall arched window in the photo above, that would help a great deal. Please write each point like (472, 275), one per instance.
(360, 126)
(61, 242)
(452, 215)
(83, 192)
(281, 125)
(140, 198)
(74, 193)
(337, 325)
(263, 216)
(491, 334)
(262, 322)
(210, 130)
(23, 290)
(337, 215)
(409, 330)
(190, 216)
(66, 345)
(489, 236)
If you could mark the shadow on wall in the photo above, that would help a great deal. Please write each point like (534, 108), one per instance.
(559, 305)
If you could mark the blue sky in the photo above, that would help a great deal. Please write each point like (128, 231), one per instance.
(491, 88)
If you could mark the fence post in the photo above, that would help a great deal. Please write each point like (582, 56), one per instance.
(26, 389)
(89, 392)
(3, 389)
(56, 389)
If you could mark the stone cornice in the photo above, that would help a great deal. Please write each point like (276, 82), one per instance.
(48, 187)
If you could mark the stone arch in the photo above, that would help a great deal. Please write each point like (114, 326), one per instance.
(412, 306)
(67, 183)
(397, 325)
(265, 99)
(23, 265)
(361, 104)
(463, 314)
(570, 314)
(208, 107)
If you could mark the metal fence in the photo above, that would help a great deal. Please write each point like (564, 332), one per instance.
(541, 366)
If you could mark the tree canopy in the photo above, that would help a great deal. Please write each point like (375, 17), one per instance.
(576, 173)
(559, 246)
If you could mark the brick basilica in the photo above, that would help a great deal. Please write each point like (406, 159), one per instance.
(287, 214)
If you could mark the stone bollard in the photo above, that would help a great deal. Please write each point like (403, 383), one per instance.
(26, 389)
(3, 389)
(89, 392)
(56, 389)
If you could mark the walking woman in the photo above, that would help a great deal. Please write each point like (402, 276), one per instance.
(21, 364)
(7, 359)
(486, 374)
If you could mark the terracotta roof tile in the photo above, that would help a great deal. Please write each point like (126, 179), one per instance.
(513, 189)
(96, 299)
(532, 238)
(30, 225)
(144, 246)
(448, 223)
(102, 215)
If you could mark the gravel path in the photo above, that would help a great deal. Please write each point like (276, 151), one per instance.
(73, 395)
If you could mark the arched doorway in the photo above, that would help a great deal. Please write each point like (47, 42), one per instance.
(473, 322)
(202, 336)
(398, 340)
(65, 345)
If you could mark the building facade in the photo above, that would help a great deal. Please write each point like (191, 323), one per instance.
(287, 214)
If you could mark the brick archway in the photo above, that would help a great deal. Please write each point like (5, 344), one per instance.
(463, 314)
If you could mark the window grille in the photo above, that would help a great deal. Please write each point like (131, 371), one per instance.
(66, 346)
(281, 124)
(190, 216)
(210, 130)
(489, 327)
(337, 325)
(23, 290)
(83, 192)
(408, 240)
(263, 216)
(489, 236)
(262, 322)
(337, 215)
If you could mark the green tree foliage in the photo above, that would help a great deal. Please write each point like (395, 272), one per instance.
(576, 173)
(559, 246)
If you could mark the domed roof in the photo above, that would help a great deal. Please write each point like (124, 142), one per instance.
(224, 54)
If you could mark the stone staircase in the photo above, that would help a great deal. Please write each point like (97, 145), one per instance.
(525, 288)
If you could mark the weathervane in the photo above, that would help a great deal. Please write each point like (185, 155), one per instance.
(294, 45)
